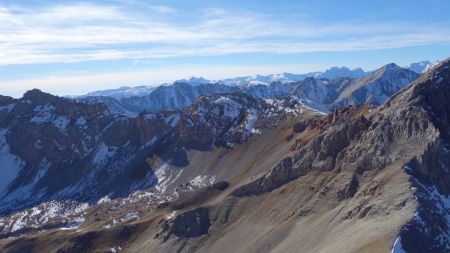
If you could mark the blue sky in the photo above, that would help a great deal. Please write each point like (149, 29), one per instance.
(73, 47)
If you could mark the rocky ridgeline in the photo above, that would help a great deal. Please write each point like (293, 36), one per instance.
(410, 129)
(58, 149)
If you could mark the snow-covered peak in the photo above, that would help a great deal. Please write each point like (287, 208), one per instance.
(391, 70)
(249, 80)
(241, 81)
(123, 92)
(337, 72)
(194, 81)
(264, 79)
(422, 66)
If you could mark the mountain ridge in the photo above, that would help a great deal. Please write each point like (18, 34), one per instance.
(319, 92)
(330, 73)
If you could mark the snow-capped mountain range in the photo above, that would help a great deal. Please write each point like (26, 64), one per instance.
(331, 73)
(336, 87)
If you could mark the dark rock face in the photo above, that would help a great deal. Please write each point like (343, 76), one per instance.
(192, 223)
(350, 189)
(220, 186)
(81, 243)
(429, 230)
(280, 174)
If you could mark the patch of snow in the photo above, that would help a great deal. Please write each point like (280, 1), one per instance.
(25, 190)
(55, 209)
(171, 215)
(7, 108)
(110, 225)
(308, 104)
(103, 154)
(257, 82)
(35, 211)
(165, 177)
(38, 144)
(19, 223)
(440, 206)
(69, 214)
(10, 164)
(197, 218)
(150, 116)
(61, 123)
(105, 199)
(151, 141)
(252, 116)
(116, 249)
(269, 101)
(74, 224)
(81, 121)
(130, 216)
(397, 247)
(45, 114)
(173, 120)
(202, 181)
(231, 108)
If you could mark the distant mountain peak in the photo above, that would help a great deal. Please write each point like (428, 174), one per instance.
(38, 96)
(390, 67)
(338, 72)
(422, 66)
(194, 81)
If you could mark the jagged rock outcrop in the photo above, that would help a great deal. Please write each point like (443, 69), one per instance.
(192, 223)
(344, 126)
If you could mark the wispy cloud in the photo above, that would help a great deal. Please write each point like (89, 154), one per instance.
(84, 32)
(163, 9)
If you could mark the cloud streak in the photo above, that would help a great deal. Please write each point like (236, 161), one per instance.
(86, 32)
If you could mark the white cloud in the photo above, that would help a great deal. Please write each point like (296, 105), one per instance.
(163, 9)
(83, 32)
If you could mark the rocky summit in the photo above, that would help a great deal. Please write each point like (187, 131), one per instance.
(341, 164)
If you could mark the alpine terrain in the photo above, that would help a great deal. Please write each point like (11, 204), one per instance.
(339, 161)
